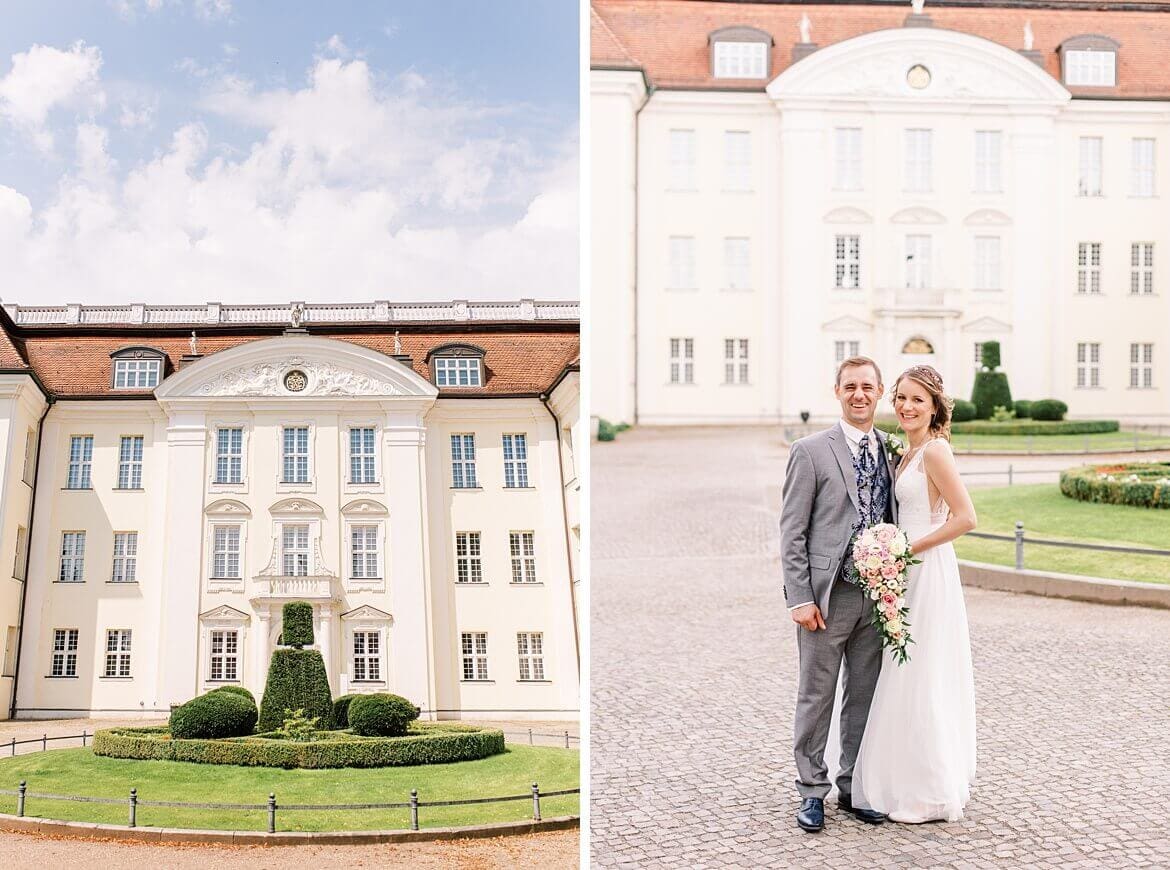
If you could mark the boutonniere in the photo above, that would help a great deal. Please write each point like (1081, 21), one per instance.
(894, 447)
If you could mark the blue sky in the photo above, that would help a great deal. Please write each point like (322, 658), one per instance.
(203, 149)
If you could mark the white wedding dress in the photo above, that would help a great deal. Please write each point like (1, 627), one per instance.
(917, 756)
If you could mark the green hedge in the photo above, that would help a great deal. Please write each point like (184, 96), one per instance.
(236, 690)
(1023, 409)
(1034, 427)
(341, 710)
(962, 412)
(296, 681)
(1049, 409)
(426, 744)
(381, 715)
(216, 714)
(1140, 484)
(296, 628)
(991, 389)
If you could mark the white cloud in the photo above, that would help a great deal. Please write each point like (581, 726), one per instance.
(45, 78)
(137, 114)
(353, 188)
(212, 10)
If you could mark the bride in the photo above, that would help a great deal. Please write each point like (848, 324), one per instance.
(917, 757)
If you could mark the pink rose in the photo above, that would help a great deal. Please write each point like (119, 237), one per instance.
(900, 565)
(885, 533)
(889, 572)
(889, 599)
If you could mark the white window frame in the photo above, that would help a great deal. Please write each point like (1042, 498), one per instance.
(125, 566)
(366, 456)
(845, 349)
(473, 656)
(530, 655)
(847, 158)
(374, 660)
(117, 653)
(683, 150)
(130, 461)
(458, 371)
(1091, 151)
(1141, 366)
(1141, 269)
(463, 474)
(296, 454)
(20, 557)
(1088, 268)
(737, 263)
(846, 261)
(734, 59)
(1088, 365)
(978, 356)
(71, 568)
(63, 653)
(245, 443)
(79, 473)
(682, 361)
(1090, 68)
(918, 260)
(515, 452)
(291, 548)
(681, 264)
(522, 551)
(469, 558)
(988, 260)
(919, 145)
(230, 660)
(988, 161)
(735, 361)
(1143, 161)
(141, 373)
(737, 161)
(365, 555)
(226, 551)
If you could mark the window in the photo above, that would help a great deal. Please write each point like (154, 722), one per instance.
(10, 640)
(918, 262)
(741, 60)
(843, 350)
(117, 652)
(361, 455)
(682, 159)
(229, 455)
(225, 552)
(296, 454)
(463, 462)
(295, 549)
(978, 356)
(1088, 365)
(225, 655)
(847, 262)
(918, 170)
(64, 663)
(987, 263)
(530, 648)
(515, 461)
(682, 262)
(125, 557)
(1141, 365)
(367, 656)
(457, 371)
(20, 562)
(130, 462)
(72, 558)
(30, 451)
(735, 360)
(682, 360)
(1090, 177)
(474, 644)
(523, 550)
(468, 566)
(1089, 267)
(1141, 262)
(988, 161)
(737, 153)
(847, 158)
(737, 260)
(1142, 168)
(1090, 68)
(80, 459)
(136, 374)
(363, 558)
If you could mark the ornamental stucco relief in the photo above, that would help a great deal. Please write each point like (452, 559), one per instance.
(324, 379)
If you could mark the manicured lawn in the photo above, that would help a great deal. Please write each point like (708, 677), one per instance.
(1049, 515)
(1100, 441)
(80, 772)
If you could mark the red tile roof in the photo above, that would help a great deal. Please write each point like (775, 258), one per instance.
(669, 37)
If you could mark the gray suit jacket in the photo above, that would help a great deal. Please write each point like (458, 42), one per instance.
(818, 514)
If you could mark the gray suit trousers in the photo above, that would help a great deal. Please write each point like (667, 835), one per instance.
(848, 634)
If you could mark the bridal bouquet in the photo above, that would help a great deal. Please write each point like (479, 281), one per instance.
(881, 557)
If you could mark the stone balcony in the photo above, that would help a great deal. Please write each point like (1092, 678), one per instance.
(288, 588)
(917, 301)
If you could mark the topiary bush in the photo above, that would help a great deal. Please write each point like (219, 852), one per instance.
(237, 690)
(341, 711)
(296, 629)
(963, 411)
(296, 680)
(1049, 409)
(991, 387)
(1023, 409)
(216, 714)
(381, 715)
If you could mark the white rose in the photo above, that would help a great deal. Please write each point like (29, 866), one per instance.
(894, 625)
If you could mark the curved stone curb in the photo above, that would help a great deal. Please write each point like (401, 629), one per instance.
(95, 831)
(1098, 590)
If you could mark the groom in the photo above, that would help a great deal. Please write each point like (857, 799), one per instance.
(836, 479)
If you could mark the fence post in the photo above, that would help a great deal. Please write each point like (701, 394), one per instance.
(83, 736)
(1019, 545)
(535, 802)
(414, 809)
(44, 742)
(14, 747)
(529, 736)
(1009, 474)
(133, 807)
(20, 798)
(272, 812)
(566, 739)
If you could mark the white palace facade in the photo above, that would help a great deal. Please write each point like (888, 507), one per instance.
(172, 475)
(777, 186)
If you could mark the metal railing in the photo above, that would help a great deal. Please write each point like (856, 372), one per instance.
(566, 735)
(1019, 540)
(1011, 471)
(1130, 440)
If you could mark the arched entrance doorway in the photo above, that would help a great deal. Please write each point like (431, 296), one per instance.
(916, 351)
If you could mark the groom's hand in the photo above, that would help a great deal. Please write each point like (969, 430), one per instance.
(808, 616)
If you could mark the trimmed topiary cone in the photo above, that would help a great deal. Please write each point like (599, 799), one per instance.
(296, 680)
(297, 624)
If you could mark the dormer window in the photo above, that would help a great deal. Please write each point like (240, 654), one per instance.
(740, 53)
(137, 368)
(1090, 61)
(457, 366)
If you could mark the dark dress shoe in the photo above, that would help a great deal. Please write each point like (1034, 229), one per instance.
(872, 817)
(812, 814)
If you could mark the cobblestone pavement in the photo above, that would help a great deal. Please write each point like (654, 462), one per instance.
(693, 683)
